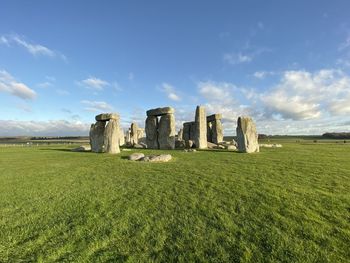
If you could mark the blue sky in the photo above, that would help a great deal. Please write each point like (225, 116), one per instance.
(285, 63)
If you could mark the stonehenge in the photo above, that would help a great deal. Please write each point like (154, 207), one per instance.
(104, 134)
(160, 128)
(205, 132)
(247, 136)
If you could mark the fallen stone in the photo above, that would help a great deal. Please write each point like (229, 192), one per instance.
(190, 150)
(82, 148)
(136, 156)
(180, 144)
(157, 158)
(212, 145)
(160, 111)
(231, 147)
(189, 144)
(140, 146)
(107, 116)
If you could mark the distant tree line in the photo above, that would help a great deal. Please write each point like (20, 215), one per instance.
(336, 135)
(59, 138)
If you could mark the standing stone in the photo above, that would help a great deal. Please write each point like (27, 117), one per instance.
(180, 135)
(97, 136)
(140, 133)
(166, 132)
(186, 131)
(111, 137)
(247, 136)
(201, 128)
(134, 130)
(217, 133)
(121, 137)
(151, 132)
(209, 131)
(128, 137)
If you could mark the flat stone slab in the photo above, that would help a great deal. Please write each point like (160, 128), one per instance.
(82, 148)
(136, 156)
(214, 117)
(160, 111)
(107, 116)
(156, 158)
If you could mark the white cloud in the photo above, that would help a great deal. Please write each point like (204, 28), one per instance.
(96, 106)
(34, 49)
(237, 58)
(62, 92)
(43, 128)
(10, 85)
(302, 95)
(94, 83)
(217, 91)
(263, 74)
(170, 91)
(45, 84)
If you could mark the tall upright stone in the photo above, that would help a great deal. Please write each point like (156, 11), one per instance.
(97, 136)
(121, 137)
(134, 136)
(151, 128)
(180, 135)
(166, 132)
(217, 132)
(111, 137)
(247, 136)
(201, 128)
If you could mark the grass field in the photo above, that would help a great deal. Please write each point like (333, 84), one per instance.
(290, 204)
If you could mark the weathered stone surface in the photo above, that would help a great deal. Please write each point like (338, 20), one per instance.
(201, 128)
(166, 132)
(140, 146)
(152, 132)
(231, 147)
(140, 133)
(128, 137)
(180, 135)
(107, 116)
(97, 136)
(189, 144)
(121, 137)
(214, 117)
(111, 137)
(136, 156)
(190, 150)
(270, 145)
(157, 158)
(180, 144)
(82, 148)
(160, 111)
(134, 135)
(247, 136)
(211, 145)
(217, 135)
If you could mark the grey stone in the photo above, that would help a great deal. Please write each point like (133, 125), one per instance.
(152, 132)
(166, 132)
(111, 137)
(247, 136)
(201, 128)
(180, 144)
(217, 132)
(231, 147)
(214, 117)
(189, 144)
(97, 136)
(180, 135)
(82, 148)
(211, 145)
(160, 111)
(136, 156)
(107, 116)
(134, 133)
(121, 137)
(157, 158)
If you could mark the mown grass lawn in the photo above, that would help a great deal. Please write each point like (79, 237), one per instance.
(282, 205)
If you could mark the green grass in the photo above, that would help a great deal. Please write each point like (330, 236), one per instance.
(282, 205)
